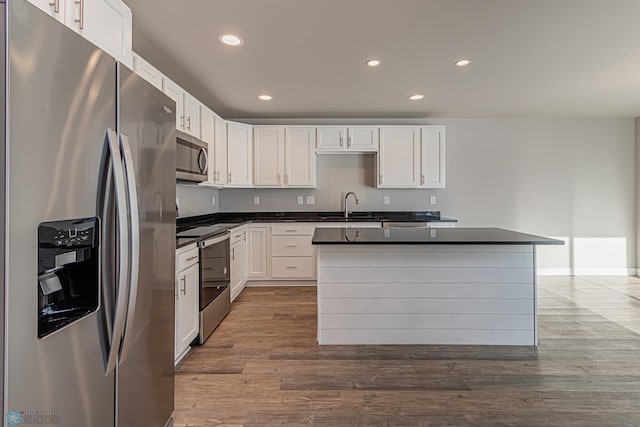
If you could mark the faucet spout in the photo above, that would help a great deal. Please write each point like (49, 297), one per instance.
(346, 203)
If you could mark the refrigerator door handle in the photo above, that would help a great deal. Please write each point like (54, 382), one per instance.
(134, 243)
(123, 249)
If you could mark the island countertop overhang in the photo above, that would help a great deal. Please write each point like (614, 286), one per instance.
(427, 236)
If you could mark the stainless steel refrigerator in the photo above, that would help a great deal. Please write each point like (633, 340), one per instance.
(88, 224)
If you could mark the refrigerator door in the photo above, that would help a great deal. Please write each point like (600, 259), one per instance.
(60, 101)
(145, 373)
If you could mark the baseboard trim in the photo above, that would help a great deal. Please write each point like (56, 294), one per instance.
(588, 271)
(283, 283)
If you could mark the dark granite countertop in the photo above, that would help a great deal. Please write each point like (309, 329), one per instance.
(427, 236)
(241, 218)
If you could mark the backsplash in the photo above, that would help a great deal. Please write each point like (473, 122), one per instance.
(194, 200)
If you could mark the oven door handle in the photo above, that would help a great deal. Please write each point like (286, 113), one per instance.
(213, 241)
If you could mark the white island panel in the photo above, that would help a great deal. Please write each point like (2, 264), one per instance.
(426, 294)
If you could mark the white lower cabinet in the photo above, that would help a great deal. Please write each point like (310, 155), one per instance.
(186, 297)
(257, 252)
(238, 242)
(292, 255)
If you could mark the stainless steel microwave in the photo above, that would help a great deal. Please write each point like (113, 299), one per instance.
(191, 158)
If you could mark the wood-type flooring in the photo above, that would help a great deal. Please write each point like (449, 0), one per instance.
(263, 367)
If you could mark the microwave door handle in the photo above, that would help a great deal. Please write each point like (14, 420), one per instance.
(134, 244)
(122, 267)
(203, 165)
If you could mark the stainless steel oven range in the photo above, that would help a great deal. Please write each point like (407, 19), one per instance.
(215, 293)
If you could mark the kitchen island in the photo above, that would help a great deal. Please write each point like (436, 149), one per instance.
(427, 286)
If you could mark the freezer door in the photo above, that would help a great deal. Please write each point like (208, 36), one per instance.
(145, 373)
(61, 100)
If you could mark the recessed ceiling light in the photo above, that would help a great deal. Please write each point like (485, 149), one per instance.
(416, 97)
(265, 97)
(372, 62)
(230, 39)
(462, 62)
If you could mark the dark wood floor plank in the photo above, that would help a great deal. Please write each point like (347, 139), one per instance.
(263, 367)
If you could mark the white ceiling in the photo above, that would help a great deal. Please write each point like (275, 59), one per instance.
(529, 57)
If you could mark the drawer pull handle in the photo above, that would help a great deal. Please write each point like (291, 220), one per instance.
(291, 267)
(191, 258)
(291, 246)
(237, 235)
(291, 231)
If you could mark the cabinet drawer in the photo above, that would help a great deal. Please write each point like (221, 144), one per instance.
(237, 235)
(293, 230)
(292, 267)
(188, 258)
(291, 246)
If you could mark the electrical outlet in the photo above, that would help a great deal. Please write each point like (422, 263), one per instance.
(300, 200)
(213, 200)
(256, 200)
(311, 200)
(433, 200)
(386, 200)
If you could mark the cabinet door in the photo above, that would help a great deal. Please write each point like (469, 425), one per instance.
(106, 23)
(207, 134)
(432, 157)
(257, 252)
(237, 268)
(268, 156)
(55, 8)
(363, 138)
(219, 160)
(187, 308)
(398, 161)
(331, 138)
(191, 115)
(300, 161)
(176, 93)
(239, 154)
(147, 71)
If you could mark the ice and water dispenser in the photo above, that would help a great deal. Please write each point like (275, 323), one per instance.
(68, 272)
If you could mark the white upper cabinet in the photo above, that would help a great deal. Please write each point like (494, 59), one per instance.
(218, 152)
(432, 166)
(362, 138)
(352, 138)
(399, 157)
(300, 157)
(147, 71)
(176, 93)
(191, 115)
(105, 23)
(268, 156)
(187, 108)
(284, 157)
(239, 155)
(331, 138)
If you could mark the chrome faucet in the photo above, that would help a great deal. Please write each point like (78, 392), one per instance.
(346, 203)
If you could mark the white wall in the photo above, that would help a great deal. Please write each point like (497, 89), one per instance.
(568, 178)
(194, 200)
